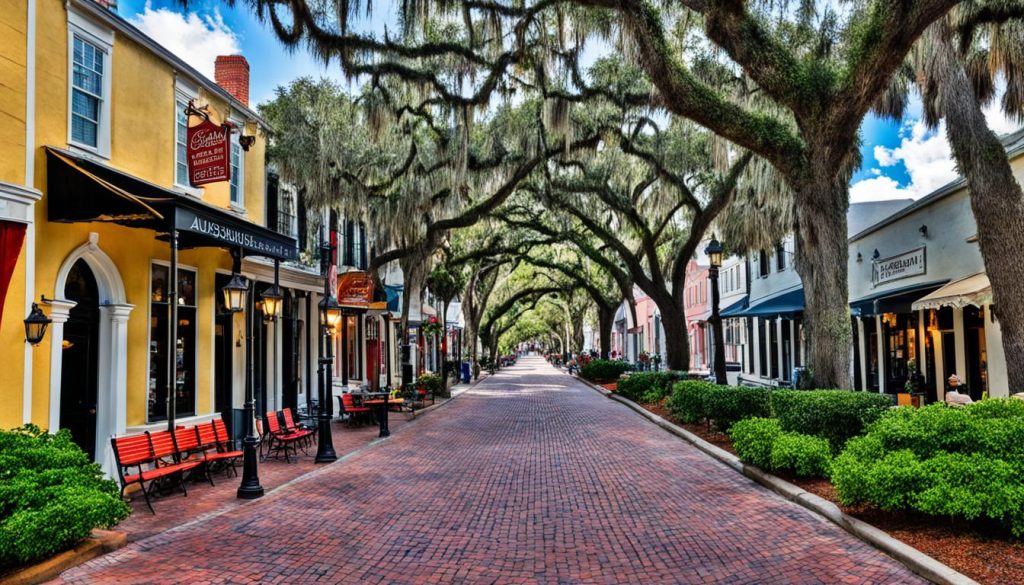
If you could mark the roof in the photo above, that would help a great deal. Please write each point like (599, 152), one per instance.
(1014, 145)
(126, 28)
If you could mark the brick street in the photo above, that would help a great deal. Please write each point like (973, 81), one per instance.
(528, 478)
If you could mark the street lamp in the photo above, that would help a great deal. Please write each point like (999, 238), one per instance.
(272, 301)
(236, 293)
(35, 325)
(714, 252)
(330, 315)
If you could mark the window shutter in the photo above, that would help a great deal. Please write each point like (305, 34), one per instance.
(362, 246)
(349, 241)
(303, 243)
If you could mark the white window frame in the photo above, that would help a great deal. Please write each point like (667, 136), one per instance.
(237, 206)
(103, 39)
(183, 93)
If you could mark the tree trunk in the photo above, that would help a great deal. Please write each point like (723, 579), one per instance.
(677, 341)
(821, 261)
(605, 321)
(996, 199)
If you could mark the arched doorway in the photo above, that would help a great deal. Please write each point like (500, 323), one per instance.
(80, 358)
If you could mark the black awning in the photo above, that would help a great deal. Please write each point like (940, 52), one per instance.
(83, 190)
(893, 300)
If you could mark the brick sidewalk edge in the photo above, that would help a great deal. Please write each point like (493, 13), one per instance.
(915, 560)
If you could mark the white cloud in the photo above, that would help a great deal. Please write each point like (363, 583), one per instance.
(197, 40)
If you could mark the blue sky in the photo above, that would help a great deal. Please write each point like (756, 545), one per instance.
(899, 159)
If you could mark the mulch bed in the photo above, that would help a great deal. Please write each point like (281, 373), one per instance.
(987, 556)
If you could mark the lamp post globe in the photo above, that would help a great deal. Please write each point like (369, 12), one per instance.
(35, 325)
(714, 252)
(272, 300)
(330, 314)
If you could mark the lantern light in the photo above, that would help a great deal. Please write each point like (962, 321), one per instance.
(272, 301)
(330, 313)
(714, 252)
(234, 293)
(35, 325)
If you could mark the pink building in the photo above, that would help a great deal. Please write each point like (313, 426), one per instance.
(697, 303)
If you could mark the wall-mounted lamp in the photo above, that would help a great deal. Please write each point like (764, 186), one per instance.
(246, 142)
(272, 298)
(876, 255)
(860, 257)
(35, 325)
(923, 230)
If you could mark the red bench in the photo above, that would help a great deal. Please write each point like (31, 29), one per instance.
(216, 450)
(145, 454)
(281, 440)
(348, 406)
(290, 426)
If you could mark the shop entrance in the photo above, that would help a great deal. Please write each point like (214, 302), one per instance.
(223, 356)
(80, 358)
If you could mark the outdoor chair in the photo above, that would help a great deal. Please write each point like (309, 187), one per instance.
(348, 406)
(291, 427)
(135, 453)
(216, 452)
(281, 441)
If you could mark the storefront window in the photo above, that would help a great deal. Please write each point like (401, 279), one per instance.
(185, 346)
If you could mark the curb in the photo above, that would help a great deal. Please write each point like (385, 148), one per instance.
(915, 560)
(592, 386)
(98, 543)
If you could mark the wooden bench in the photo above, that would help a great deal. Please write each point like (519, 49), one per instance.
(280, 440)
(145, 455)
(217, 451)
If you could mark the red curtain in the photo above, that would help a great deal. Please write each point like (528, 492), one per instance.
(12, 235)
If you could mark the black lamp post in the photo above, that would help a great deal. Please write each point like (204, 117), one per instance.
(236, 295)
(330, 316)
(714, 252)
(35, 325)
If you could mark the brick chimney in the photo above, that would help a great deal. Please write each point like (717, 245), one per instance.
(232, 73)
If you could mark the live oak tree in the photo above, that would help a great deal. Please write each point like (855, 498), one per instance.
(447, 282)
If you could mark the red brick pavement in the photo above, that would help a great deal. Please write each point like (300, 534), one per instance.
(528, 478)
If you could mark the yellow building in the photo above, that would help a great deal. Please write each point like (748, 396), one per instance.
(94, 182)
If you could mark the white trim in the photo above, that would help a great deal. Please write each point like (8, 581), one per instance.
(30, 230)
(103, 39)
(237, 206)
(182, 91)
(112, 381)
(16, 202)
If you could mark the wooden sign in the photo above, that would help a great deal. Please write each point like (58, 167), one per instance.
(209, 153)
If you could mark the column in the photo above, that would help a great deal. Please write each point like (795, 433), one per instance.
(780, 357)
(59, 313)
(757, 346)
(881, 354)
(961, 349)
(998, 384)
(922, 362)
(112, 406)
(792, 345)
(862, 349)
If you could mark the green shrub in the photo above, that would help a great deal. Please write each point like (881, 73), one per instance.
(804, 455)
(835, 415)
(604, 370)
(431, 383)
(752, 439)
(686, 404)
(646, 386)
(51, 495)
(727, 405)
(997, 408)
(952, 462)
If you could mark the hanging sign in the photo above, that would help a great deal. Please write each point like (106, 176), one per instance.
(209, 153)
(903, 265)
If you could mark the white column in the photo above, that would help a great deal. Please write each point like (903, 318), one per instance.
(792, 345)
(112, 403)
(779, 357)
(862, 349)
(922, 348)
(756, 341)
(961, 349)
(881, 354)
(59, 313)
(998, 384)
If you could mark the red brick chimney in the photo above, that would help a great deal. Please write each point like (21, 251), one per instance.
(232, 73)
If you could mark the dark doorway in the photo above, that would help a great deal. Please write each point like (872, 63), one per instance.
(949, 356)
(223, 355)
(290, 330)
(80, 358)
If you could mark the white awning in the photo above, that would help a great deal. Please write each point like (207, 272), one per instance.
(973, 290)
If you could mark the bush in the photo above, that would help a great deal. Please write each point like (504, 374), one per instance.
(604, 370)
(646, 386)
(687, 401)
(835, 415)
(804, 455)
(51, 495)
(752, 439)
(431, 383)
(953, 462)
(727, 405)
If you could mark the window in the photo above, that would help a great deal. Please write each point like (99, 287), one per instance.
(780, 257)
(185, 345)
(287, 211)
(237, 168)
(180, 141)
(762, 265)
(87, 93)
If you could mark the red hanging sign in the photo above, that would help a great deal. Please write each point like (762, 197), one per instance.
(209, 153)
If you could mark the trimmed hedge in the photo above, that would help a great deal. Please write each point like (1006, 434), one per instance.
(835, 415)
(687, 400)
(953, 462)
(753, 438)
(762, 442)
(646, 386)
(51, 495)
(604, 370)
(727, 405)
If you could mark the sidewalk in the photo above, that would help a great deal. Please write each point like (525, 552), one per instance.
(174, 509)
